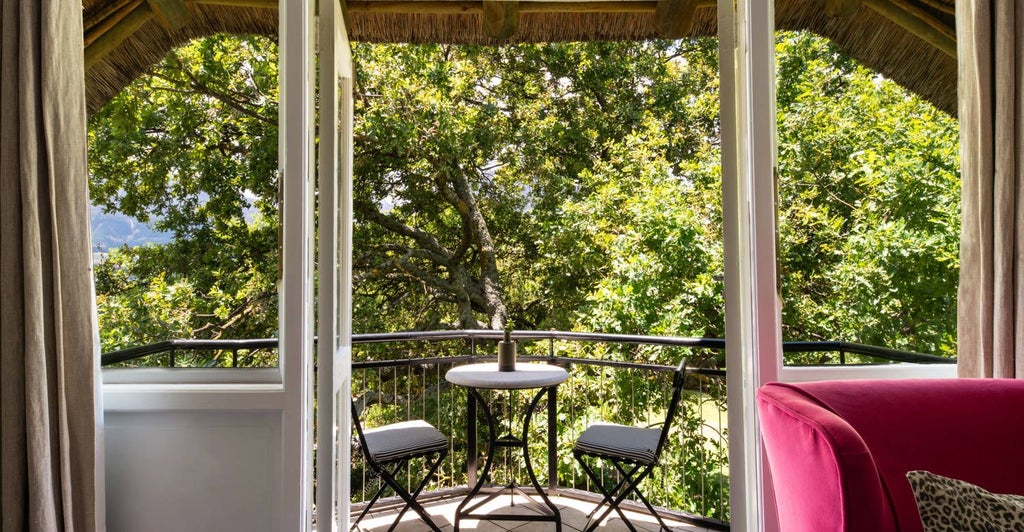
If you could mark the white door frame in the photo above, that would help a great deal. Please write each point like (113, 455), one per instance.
(334, 352)
(296, 295)
(752, 303)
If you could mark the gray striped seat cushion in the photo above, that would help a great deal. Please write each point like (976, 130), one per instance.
(619, 441)
(407, 438)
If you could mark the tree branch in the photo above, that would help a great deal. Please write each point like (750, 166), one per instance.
(202, 88)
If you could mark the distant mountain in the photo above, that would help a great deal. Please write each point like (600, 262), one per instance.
(114, 230)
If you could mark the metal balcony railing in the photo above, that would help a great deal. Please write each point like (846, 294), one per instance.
(246, 352)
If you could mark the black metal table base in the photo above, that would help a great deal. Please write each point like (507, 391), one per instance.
(467, 508)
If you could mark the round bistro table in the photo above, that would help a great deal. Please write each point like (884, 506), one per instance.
(476, 377)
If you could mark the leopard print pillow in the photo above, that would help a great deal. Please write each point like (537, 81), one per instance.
(948, 504)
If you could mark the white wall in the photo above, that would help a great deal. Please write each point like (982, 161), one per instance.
(193, 471)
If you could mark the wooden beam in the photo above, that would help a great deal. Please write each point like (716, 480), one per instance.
(172, 14)
(261, 4)
(841, 8)
(439, 7)
(941, 6)
(919, 22)
(500, 18)
(103, 14)
(426, 7)
(102, 26)
(638, 6)
(110, 39)
(674, 18)
(915, 11)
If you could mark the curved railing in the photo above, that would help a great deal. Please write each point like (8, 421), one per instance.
(400, 375)
(172, 348)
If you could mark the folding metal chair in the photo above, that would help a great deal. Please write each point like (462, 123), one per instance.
(389, 448)
(634, 452)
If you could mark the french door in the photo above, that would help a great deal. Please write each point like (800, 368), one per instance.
(334, 304)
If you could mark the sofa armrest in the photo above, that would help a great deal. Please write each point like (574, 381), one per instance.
(824, 476)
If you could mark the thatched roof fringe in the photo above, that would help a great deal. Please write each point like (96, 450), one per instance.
(674, 18)
(923, 59)
(500, 18)
(150, 44)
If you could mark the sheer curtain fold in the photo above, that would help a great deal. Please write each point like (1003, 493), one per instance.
(990, 321)
(48, 344)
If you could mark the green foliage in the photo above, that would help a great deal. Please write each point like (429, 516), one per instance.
(592, 190)
(644, 223)
(536, 132)
(151, 293)
(869, 205)
(192, 149)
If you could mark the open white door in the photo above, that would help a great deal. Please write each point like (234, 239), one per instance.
(296, 299)
(752, 311)
(334, 353)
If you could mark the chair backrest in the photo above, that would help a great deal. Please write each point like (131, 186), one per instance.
(358, 427)
(678, 378)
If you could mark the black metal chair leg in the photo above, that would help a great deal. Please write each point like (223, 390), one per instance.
(650, 508)
(433, 469)
(410, 502)
(609, 498)
(389, 448)
(366, 509)
(380, 491)
(635, 489)
(609, 495)
(631, 486)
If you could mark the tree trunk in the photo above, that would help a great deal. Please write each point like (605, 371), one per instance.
(466, 275)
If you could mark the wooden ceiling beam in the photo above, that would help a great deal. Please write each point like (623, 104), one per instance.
(105, 13)
(841, 8)
(98, 27)
(918, 22)
(941, 6)
(500, 18)
(172, 14)
(674, 18)
(261, 4)
(111, 37)
(638, 6)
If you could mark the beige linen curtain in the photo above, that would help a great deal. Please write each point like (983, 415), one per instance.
(47, 325)
(990, 321)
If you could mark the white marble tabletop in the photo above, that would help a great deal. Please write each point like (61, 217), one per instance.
(526, 375)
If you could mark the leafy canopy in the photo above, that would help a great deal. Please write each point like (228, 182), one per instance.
(570, 186)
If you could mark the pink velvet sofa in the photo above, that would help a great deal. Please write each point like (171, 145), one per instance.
(839, 451)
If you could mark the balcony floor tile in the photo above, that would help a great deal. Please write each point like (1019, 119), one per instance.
(573, 511)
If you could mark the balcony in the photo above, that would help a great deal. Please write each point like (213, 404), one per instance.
(620, 378)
